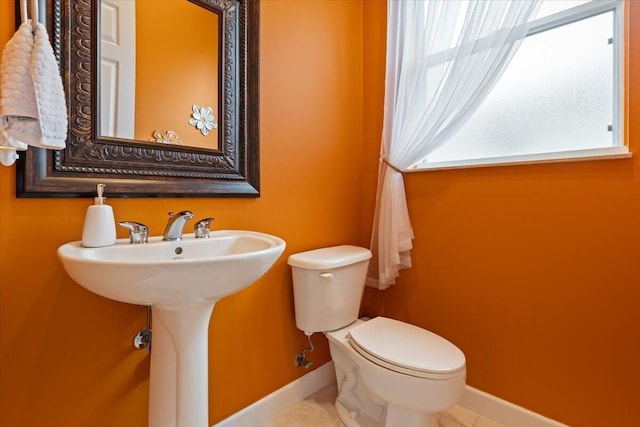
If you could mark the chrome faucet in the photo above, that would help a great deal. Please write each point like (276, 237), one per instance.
(173, 230)
(138, 233)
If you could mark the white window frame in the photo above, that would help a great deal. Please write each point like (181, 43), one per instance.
(550, 22)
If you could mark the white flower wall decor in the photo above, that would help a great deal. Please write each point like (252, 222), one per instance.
(168, 137)
(202, 118)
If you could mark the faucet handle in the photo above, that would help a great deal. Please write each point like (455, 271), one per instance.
(138, 233)
(202, 228)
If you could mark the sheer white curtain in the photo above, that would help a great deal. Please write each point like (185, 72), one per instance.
(443, 59)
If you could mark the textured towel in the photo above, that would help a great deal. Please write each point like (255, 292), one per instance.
(52, 108)
(16, 83)
(32, 101)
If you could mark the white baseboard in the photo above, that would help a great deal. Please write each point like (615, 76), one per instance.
(260, 412)
(485, 404)
(503, 412)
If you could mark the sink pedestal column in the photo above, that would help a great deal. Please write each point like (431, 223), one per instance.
(179, 379)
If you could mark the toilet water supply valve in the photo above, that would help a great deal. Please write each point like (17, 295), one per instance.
(143, 339)
(301, 358)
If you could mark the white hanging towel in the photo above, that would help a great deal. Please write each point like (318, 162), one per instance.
(52, 108)
(32, 102)
(17, 95)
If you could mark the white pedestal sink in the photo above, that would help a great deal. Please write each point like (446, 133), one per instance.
(181, 281)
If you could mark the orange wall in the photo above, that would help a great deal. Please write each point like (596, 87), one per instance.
(176, 67)
(66, 355)
(533, 271)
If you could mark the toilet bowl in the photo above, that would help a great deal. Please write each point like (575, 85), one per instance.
(389, 373)
(411, 373)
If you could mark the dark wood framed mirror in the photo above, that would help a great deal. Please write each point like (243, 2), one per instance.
(134, 166)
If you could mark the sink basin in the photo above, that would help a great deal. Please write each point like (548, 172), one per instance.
(173, 273)
(181, 281)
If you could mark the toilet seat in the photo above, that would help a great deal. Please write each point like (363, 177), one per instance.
(407, 349)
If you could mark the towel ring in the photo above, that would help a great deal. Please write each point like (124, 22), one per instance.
(34, 12)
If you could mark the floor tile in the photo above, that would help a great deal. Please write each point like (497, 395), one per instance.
(318, 410)
(302, 415)
(323, 401)
(462, 416)
(485, 422)
(443, 421)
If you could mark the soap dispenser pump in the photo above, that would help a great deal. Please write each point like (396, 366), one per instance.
(99, 225)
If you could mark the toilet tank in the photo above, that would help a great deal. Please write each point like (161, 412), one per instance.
(327, 286)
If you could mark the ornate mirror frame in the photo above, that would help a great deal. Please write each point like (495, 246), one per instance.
(137, 169)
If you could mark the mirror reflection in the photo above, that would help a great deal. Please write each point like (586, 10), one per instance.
(159, 72)
(229, 167)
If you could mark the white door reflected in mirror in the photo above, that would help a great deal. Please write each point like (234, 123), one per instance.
(158, 59)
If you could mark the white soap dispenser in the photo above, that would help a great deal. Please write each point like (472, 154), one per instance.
(99, 226)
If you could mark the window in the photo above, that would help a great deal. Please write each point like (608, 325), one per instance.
(560, 97)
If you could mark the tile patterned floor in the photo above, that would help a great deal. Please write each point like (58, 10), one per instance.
(318, 411)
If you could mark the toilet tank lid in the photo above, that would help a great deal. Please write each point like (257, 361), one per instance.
(327, 258)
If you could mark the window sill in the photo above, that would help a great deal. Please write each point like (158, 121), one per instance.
(562, 156)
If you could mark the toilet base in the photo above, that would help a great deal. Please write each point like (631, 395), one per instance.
(355, 406)
(351, 420)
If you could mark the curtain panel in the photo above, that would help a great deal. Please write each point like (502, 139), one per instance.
(443, 59)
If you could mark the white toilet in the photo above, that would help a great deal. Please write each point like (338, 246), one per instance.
(389, 373)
